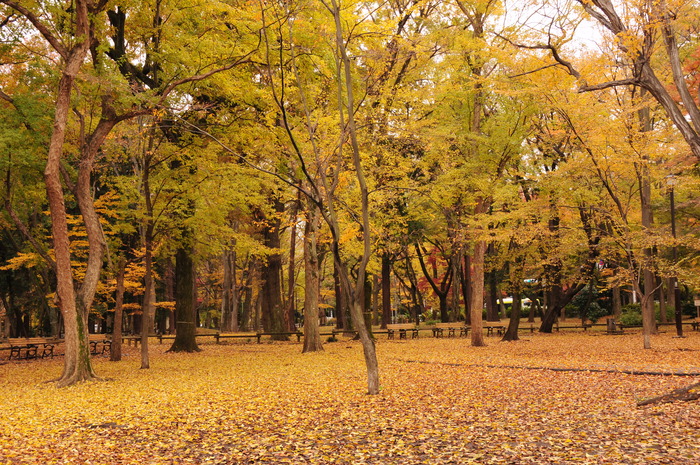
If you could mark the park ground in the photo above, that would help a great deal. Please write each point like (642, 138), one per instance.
(442, 402)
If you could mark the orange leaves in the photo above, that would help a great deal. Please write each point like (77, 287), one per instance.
(439, 403)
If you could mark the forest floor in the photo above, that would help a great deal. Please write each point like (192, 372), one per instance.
(442, 402)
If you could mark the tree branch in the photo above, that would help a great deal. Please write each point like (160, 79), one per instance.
(43, 30)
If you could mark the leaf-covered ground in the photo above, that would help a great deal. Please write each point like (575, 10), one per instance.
(442, 402)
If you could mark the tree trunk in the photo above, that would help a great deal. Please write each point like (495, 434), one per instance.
(312, 338)
(648, 317)
(465, 277)
(185, 301)
(663, 318)
(77, 365)
(340, 320)
(477, 294)
(492, 299)
(148, 307)
(514, 322)
(290, 313)
(170, 293)
(386, 290)
(115, 351)
(229, 301)
(617, 302)
(271, 293)
(368, 346)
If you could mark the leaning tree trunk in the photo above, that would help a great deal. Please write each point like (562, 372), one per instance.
(312, 337)
(514, 322)
(185, 314)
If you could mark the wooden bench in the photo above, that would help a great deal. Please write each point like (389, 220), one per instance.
(298, 334)
(30, 348)
(220, 336)
(695, 324)
(439, 329)
(162, 337)
(499, 329)
(99, 344)
(402, 329)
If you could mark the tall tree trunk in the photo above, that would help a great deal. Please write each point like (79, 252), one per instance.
(148, 307)
(617, 302)
(368, 346)
(477, 294)
(386, 290)
(663, 317)
(492, 298)
(290, 313)
(77, 365)
(465, 277)
(340, 320)
(272, 311)
(312, 338)
(229, 301)
(648, 317)
(514, 322)
(170, 293)
(115, 351)
(185, 301)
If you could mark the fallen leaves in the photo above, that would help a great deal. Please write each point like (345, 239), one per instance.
(249, 403)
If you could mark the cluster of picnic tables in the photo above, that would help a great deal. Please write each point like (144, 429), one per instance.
(42, 347)
(27, 348)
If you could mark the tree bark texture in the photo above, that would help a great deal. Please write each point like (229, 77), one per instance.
(477, 294)
(185, 301)
(511, 333)
(271, 293)
(77, 365)
(386, 290)
(229, 300)
(115, 351)
(312, 286)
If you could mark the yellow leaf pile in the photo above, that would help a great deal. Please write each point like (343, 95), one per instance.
(442, 401)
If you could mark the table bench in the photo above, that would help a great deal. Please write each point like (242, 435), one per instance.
(403, 329)
(499, 329)
(99, 344)
(439, 329)
(249, 335)
(298, 334)
(32, 347)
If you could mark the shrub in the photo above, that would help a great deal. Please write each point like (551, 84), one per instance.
(631, 315)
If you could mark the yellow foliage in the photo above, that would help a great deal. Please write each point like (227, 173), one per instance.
(442, 401)
(21, 260)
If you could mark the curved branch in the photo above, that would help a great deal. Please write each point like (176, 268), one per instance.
(41, 27)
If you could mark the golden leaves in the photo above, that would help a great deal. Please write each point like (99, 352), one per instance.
(250, 403)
